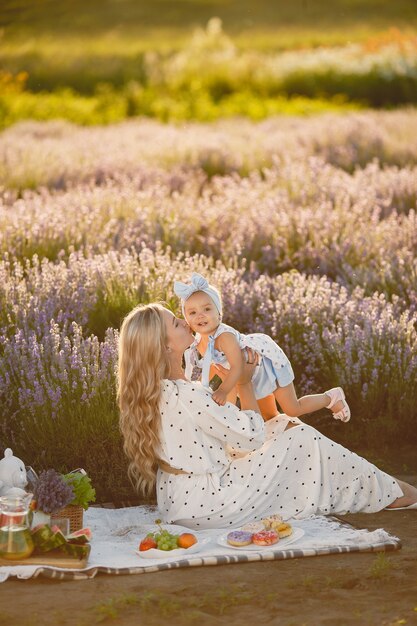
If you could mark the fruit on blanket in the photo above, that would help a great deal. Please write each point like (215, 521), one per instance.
(45, 538)
(41, 532)
(186, 540)
(80, 536)
(79, 552)
(164, 539)
(147, 544)
(58, 536)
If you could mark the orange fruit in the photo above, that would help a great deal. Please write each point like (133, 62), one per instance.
(186, 540)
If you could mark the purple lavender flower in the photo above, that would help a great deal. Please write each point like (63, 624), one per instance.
(51, 492)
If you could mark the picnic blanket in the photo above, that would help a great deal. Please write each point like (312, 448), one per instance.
(117, 533)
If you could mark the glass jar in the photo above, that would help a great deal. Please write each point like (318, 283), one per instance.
(15, 538)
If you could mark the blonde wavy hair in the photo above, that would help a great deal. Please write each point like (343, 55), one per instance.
(142, 365)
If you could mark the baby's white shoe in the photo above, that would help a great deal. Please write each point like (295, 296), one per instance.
(336, 394)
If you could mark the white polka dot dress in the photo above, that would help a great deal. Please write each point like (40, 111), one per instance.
(239, 468)
(274, 369)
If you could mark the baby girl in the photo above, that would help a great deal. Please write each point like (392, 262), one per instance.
(218, 343)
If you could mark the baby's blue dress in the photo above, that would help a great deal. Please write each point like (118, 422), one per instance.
(273, 371)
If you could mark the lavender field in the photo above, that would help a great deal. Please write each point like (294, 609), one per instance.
(307, 225)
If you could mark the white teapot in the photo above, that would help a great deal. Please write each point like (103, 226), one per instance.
(13, 477)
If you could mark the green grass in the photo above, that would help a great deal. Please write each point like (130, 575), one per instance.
(381, 567)
(162, 605)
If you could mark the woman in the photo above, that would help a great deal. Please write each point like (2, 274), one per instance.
(218, 466)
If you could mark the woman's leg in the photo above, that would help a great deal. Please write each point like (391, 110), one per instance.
(409, 497)
(410, 492)
(294, 407)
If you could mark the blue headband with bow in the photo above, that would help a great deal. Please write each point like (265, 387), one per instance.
(198, 283)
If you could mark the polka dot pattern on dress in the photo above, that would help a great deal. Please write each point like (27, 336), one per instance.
(239, 470)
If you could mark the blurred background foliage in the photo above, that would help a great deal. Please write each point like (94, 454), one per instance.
(101, 62)
(274, 24)
(308, 226)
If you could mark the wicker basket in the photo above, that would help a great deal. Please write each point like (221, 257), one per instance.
(74, 513)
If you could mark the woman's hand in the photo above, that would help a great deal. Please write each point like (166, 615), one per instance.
(250, 361)
(244, 385)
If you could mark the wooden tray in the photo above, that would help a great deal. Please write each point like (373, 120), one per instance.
(53, 558)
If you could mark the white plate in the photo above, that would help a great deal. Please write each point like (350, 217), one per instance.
(154, 553)
(280, 545)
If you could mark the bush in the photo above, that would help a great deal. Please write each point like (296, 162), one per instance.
(304, 243)
(210, 78)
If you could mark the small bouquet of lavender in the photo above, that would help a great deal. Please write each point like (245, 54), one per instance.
(52, 493)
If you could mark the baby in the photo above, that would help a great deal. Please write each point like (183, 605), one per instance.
(219, 343)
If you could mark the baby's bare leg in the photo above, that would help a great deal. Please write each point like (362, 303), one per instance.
(232, 396)
(294, 407)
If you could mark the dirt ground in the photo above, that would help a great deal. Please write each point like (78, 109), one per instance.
(370, 589)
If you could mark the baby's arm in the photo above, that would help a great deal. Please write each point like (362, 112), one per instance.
(228, 344)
